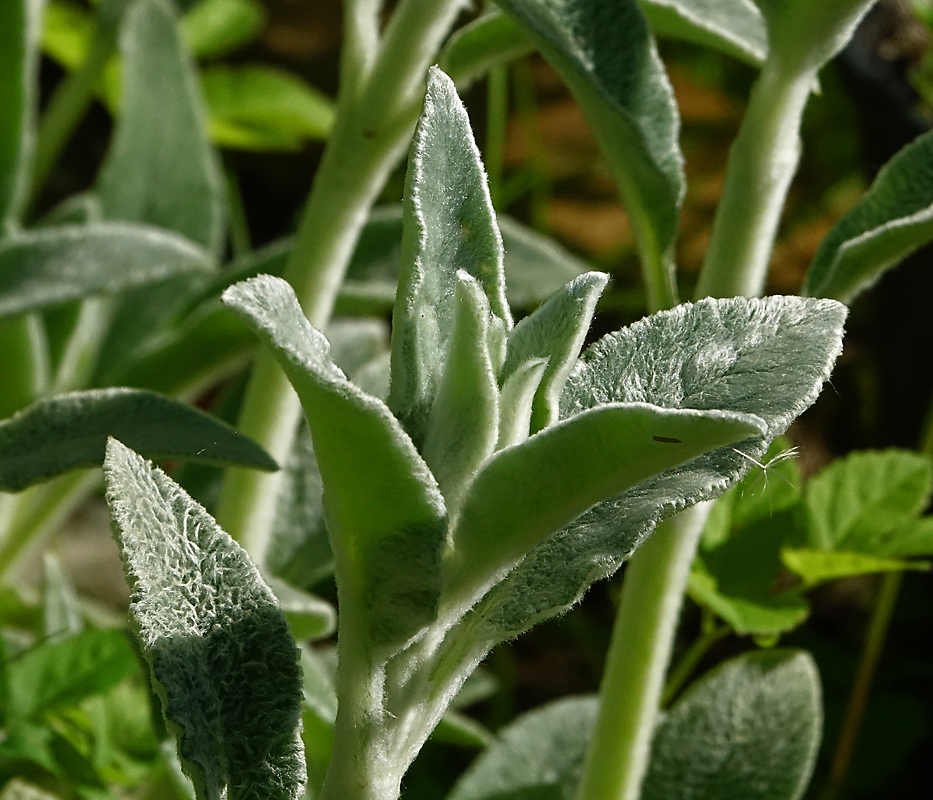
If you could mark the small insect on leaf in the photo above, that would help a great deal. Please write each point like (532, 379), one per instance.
(666, 440)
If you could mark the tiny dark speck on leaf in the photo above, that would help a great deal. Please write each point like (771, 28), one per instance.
(666, 440)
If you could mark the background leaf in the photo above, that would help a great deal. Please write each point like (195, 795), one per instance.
(68, 431)
(474, 49)
(221, 655)
(214, 28)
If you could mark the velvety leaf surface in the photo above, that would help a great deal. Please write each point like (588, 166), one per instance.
(20, 23)
(449, 225)
(486, 42)
(54, 265)
(767, 357)
(385, 512)
(748, 729)
(56, 674)
(604, 51)
(892, 220)
(735, 27)
(69, 431)
(259, 108)
(160, 168)
(555, 331)
(218, 645)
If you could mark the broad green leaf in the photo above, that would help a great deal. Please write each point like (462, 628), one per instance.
(819, 566)
(913, 538)
(767, 357)
(463, 423)
(222, 659)
(160, 168)
(805, 35)
(450, 225)
(384, 510)
(555, 331)
(605, 53)
(69, 431)
(214, 28)
(20, 24)
(892, 220)
(54, 265)
(735, 27)
(309, 617)
(858, 499)
(750, 728)
(57, 674)
(477, 47)
(254, 107)
(526, 492)
(61, 610)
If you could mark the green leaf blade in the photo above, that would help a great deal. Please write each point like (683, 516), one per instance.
(49, 267)
(218, 645)
(70, 431)
(214, 28)
(160, 168)
(892, 220)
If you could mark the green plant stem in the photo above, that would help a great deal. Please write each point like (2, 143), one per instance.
(762, 162)
(691, 659)
(861, 688)
(74, 94)
(370, 133)
(83, 347)
(239, 226)
(639, 653)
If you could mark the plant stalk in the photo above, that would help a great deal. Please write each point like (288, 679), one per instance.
(639, 654)
(370, 133)
(762, 163)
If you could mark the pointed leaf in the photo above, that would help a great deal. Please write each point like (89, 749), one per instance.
(605, 53)
(892, 220)
(69, 431)
(819, 566)
(160, 168)
(555, 331)
(484, 43)
(517, 400)
(20, 24)
(214, 28)
(384, 510)
(766, 357)
(855, 501)
(526, 492)
(52, 266)
(57, 674)
(216, 641)
(450, 225)
(750, 728)
(463, 424)
(735, 27)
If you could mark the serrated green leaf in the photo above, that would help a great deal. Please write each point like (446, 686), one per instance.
(750, 728)
(463, 423)
(216, 641)
(449, 225)
(385, 512)
(69, 431)
(254, 107)
(55, 265)
(767, 357)
(858, 499)
(819, 566)
(526, 492)
(57, 674)
(160, 168)
(735, 27)
(892, 220)
(61, 609)
(604, 51)
(214, 28)
(482, 44)
(555, 331)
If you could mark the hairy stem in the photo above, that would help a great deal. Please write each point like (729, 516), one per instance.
(639, 653)
(762, 162)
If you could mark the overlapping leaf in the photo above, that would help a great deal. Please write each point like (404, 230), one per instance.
(474, 49)
(217, 643)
